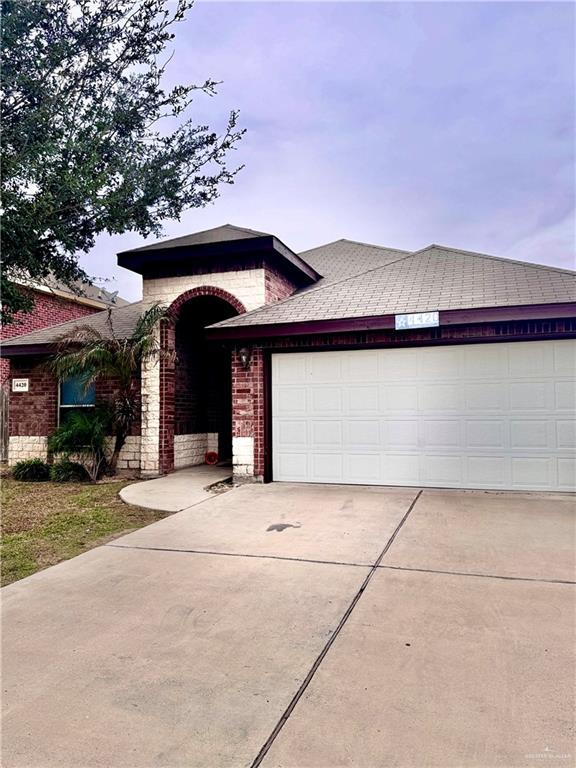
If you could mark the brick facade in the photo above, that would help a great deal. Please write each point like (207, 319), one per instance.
(49, 309)
(277, 286)
(33, 415)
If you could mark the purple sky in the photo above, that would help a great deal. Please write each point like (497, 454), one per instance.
(400, 124)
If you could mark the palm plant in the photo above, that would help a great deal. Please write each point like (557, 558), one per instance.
(92, 355)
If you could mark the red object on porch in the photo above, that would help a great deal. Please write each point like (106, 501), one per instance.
(211, 457)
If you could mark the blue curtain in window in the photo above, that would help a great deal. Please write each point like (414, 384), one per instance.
(72, 392)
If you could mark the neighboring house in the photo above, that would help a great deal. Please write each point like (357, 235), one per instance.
(54, 304)
(348, 363)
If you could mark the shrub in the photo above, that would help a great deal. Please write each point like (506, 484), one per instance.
(66, 471)
(31, 470)
(83, 435)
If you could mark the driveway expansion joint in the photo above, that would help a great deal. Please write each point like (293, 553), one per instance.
(239, 554)
(476, 575)
(320, 658)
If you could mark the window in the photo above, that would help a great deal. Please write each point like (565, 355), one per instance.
(74, 395)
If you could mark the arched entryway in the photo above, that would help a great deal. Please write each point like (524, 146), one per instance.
(196, 384)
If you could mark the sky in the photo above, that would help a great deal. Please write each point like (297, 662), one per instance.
(400, 124)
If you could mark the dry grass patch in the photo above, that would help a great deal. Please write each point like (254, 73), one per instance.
(44, 523)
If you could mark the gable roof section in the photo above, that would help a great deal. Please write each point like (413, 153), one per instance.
(435, 278)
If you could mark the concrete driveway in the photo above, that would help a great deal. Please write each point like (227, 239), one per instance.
(290, 626)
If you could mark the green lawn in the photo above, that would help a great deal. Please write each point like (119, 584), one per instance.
(44, 523)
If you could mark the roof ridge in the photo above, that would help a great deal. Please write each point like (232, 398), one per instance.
(356, 242)
(545, 267)
(317, 289)
(240, 229)
(373, 245)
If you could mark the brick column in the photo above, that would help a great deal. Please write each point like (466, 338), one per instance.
(248, 415)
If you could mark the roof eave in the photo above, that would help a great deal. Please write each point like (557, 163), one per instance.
(265, 245)
(387, 322)
(23, 350)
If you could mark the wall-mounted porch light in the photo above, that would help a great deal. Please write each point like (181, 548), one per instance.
(245, 356)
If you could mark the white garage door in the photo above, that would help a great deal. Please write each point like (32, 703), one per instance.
(472, 416)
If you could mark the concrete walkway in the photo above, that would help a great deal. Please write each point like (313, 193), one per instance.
(303, 626)
(177, 491)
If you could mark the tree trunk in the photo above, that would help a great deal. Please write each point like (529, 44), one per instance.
(119, 440)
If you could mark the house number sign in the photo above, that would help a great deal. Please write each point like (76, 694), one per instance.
(20, 385)
(417, 320)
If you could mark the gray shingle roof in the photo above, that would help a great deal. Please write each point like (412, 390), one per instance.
(124, 320)
(436, 278)
(345, 258)
(214, 235)
(365, 281)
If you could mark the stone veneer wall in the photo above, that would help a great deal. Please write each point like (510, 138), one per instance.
(22, 447)
(190, 450)
(36, 447)
(247, 285)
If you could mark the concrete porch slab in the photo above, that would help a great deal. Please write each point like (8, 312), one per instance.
(441, 671)
(525, 535)
(124, 657)
(338, 523)
(177, 491)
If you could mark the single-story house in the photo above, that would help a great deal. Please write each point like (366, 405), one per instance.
(348, 363)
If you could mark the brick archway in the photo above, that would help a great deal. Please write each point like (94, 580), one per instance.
(205, 290)
(168, 369)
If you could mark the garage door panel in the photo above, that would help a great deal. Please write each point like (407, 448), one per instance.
(533, 472)
(530, 395)
(292, 467)
(326, 401)
(485, 433)
(529, 433)
(484, 397)
(289, 370)
(363, 400)
(489, 365)
(530, 359)
(432, 367)
(360, 366)
(323, 368)
(565, 396)
(362, 468)
(326, 467)
(293, 433)
(398, 399)
(401, 433)
(442, 470)
(566, 468)
(403, 367)
(440, 397)
(480, 416)
(326, 434)
(566, 434)
(362, 434)
(441, 433)
(488, 471)
(564, 358)
(290, 401)
(401, 469)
